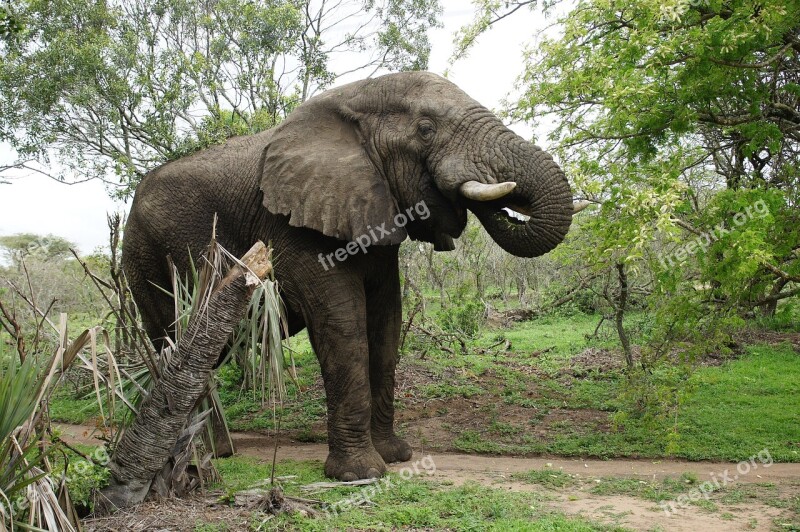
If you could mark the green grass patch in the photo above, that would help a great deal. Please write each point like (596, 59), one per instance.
(446, 389)
(553, 340)
(548, 477)
(74, 411)
(744, 407)
(729, 413)
(397, 503)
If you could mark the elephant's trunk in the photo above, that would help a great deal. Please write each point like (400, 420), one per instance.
(541, 195)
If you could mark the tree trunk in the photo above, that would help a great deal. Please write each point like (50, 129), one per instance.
(769, 308)
(148, 443)
(622, 303)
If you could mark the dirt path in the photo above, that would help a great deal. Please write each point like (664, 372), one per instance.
(740, 506)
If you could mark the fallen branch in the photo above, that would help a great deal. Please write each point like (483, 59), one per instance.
(569, 296)
(541, 352)
(275, 502)
(775, 297)
(333, 485)
(441, 337)
(782, 274)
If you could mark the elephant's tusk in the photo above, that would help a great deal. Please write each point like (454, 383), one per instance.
(578, 206)
(478, 191)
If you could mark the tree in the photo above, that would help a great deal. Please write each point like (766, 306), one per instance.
(45, 271)
(118, 87)
(10, 25)
(145, 447)
(677, 117)
(17, 248)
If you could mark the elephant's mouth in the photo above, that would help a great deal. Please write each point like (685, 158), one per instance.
(503, 197)
(514, 216)
(446, 225)
(443, 240)
(515, 213)
(525, 220)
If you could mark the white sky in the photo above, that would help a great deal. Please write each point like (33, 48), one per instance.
(36, 204)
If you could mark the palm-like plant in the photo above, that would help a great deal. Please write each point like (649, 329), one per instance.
(30, 497)
(18, 395)
(33, 498)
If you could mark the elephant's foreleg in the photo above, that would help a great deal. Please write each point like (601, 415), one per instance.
(338, 332)
(384, 316)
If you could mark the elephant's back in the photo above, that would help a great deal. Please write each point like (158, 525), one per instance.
(173, 213)
(174, 205)
(215, 179)
(218, 169)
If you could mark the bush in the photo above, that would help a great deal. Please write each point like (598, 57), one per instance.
(653, 398)
(465, 319)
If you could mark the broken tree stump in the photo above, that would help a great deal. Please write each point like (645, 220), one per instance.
(148, 442)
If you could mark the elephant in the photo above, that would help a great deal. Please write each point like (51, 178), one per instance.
(334, 189)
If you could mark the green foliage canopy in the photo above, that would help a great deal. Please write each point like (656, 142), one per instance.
(114, 88)
(9, 25)
(676, 118)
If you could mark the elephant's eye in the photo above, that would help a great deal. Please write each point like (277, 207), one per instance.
(426, 130)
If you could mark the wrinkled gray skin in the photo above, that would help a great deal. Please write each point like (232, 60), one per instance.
(341, 165)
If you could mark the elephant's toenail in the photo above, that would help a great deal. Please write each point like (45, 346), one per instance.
(349, 477)
(373, 473)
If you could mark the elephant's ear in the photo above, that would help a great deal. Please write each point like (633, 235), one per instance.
(315, 170)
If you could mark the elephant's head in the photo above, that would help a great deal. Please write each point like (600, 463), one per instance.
(353, 158)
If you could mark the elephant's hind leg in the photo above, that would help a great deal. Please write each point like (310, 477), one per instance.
(146, 269)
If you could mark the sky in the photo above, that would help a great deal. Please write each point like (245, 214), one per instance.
(33, 203)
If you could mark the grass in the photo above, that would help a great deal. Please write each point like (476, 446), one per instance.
(666, 489)
(744, 407)
(729, 412)
(549, 478)
(74, 411)
(559, 337)
(401, 503)
(674, 490)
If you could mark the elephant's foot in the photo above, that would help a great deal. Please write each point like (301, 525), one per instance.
(393, 449)
(354, 465)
